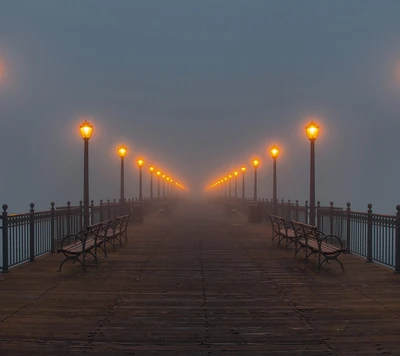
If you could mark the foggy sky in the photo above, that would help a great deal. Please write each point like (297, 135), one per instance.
(199, 88)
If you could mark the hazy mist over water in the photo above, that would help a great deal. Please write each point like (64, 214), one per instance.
(199, 88)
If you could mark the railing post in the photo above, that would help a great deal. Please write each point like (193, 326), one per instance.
(331, 218)
(369, 234)
(81, 215)
(397, 242)
(297, 210)
(318, 212)
(289, 213)
(306, 214)
(32, 233)
(92, 212)
(5, 238)
(52, 225)
(348, 231)
(108, 210)
(101, 210)
(68, 217)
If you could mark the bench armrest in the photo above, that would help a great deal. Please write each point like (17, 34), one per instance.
(329, 238)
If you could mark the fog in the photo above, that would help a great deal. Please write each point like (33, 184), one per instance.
(199, 88)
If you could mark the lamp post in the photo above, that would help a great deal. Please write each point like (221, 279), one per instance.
(171, 188)
(243, 170)
(230, 190)
(274, 153)
(140, 163)
(235, 174)
(163, 186)
(225, 182)
(312, 133)
(122, 151)
(86, 130)
(255, 164)
(167, 186)
(151, 169)
(158, 184)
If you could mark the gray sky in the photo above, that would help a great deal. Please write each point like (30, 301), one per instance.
(199, 88)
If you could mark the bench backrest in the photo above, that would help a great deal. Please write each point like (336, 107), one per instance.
(307, 231)
(277, 222)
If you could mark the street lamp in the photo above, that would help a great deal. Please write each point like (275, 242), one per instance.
(312, 133)
(140, 163)
(151, 169)
(225, 181)
(158, 184)
(163, 186)
(230, 180)
(168, 186)
(274, 153)
(255, 164)
(236, 174)
(243, 169)
(122, 151)
(86, 130)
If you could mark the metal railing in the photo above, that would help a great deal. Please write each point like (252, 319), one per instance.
(375, 237)
(28, 235)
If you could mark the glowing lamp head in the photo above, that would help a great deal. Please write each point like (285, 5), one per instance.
(158, 173)
(168, 178)
(86, 130)
(274, 151)
(256, 162)
(243, 169)
(226, 178)
(163, 176)
(151, 169)
(236, 174)
(140, 162)
(230, 176)
(122, 151)
(312, 131)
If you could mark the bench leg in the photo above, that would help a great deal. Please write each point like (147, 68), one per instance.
(62, 263)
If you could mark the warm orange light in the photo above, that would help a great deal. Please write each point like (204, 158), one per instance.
(151, 169)
(312, 131)
(122, 151)
(243, 169)
(158, 173)
(163, 176)
(140, 162)
(167, 178)
(86, 130)
(230, 176)
(256, 163)
(226, 178)
(274, 151)
(236, 173)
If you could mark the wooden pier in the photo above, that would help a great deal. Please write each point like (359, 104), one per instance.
(199, 282)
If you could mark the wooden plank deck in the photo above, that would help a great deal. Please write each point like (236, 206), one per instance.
(200, 283)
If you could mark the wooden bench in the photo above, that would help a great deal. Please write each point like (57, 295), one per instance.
(115, 231)
(97, 236)
(76, 247)
(283, 230)
(313, 241)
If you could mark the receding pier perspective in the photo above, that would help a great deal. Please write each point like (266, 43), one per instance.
(199, 280)
(199, 178)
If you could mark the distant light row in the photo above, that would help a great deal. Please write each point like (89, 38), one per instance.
(312, 132)
(86, 130)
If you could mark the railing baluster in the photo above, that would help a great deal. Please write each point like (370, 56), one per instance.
(32, 233)
(348, 228)
(369, 234)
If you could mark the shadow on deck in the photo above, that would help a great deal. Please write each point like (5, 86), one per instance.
(200, 283)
